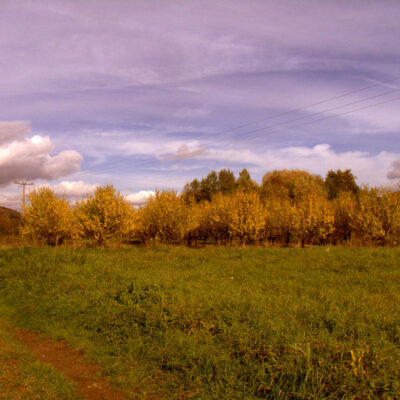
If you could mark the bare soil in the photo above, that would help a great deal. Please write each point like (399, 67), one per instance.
(72, 364)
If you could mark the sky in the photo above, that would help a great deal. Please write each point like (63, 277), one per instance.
(148, 95)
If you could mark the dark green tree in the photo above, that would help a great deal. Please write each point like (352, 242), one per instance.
(226, 181)
(244, 181)
(340, 181)
(208, 186)
(191, 191)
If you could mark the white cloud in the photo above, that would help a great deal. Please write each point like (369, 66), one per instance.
(31, 158)
(139, 198)
(13, 130)
(73, 189)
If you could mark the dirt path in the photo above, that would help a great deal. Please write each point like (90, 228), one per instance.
(86, 375)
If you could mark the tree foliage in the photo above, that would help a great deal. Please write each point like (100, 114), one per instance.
(246, 217)
(244, 182)
(376, 217)
(164, 218)
(105, 215)
(290, 208)
(226, 181)
(222, 182)
(48, 219)
(340, 181)
(294, 184)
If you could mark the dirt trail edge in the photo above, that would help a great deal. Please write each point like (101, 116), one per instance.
(86, 375)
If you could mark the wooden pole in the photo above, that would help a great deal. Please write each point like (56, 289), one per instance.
(23, 184)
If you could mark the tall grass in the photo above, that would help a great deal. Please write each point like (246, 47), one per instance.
(220, 323)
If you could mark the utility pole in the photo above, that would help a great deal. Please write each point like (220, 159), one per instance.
(23, 184)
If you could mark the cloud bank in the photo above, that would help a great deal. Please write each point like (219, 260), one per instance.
(31, 158)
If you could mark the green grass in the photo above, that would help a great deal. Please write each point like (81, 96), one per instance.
(318, 323)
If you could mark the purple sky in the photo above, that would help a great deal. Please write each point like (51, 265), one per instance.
(150, 94)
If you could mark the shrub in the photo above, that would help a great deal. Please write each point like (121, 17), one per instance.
(281, 220)
(106, 215)
(246, 217)
(48, 219)
(163, 218)
(377, 216)
(316, 220)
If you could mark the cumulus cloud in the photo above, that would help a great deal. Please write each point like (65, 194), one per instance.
(395, 172)
(31, 158)
(73, 189)
(139, 198)
(13, 130)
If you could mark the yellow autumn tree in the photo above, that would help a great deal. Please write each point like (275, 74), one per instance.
(390, 215)
(344, 206)
(282, 220)
(105, 215)
(48, 219)
(293, 184)
(198, 221)
(237, 216)
(220, 210)
(246, 217)
(366, 221)
(163, 218)
(316, 219)
(377, 216)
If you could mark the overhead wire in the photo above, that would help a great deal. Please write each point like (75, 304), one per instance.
(312, 122)
(245, 135)
(380, 83)
(324, 118)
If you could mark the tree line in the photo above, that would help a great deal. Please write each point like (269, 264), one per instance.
(289, 207)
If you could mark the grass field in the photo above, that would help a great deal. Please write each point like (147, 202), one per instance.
(215, 323)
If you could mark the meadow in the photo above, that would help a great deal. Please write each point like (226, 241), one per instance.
(218, 323)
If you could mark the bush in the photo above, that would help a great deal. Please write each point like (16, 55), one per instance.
(246, 217)
(164, 218)
(377, 216)
(105, 215)
(48, 219)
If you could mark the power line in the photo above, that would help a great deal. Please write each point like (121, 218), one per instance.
(94, 168)
(246, 135)
(313, 121)
(321, 119)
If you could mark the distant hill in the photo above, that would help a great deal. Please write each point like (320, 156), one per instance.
(9, 221)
